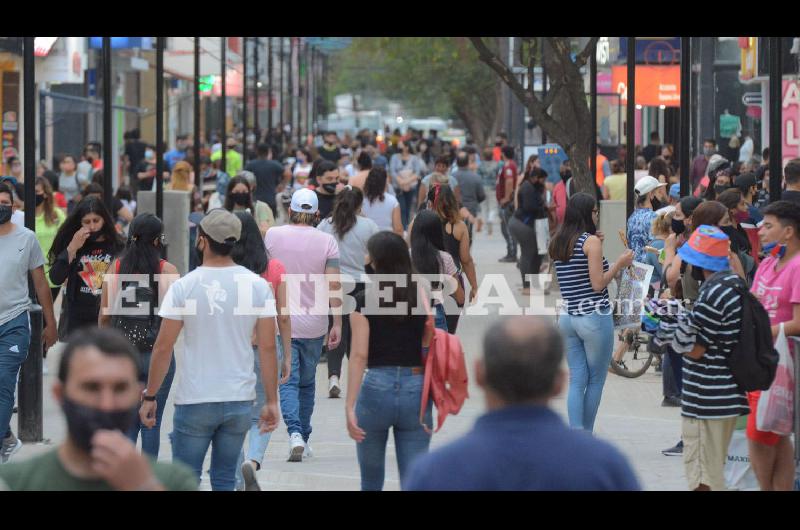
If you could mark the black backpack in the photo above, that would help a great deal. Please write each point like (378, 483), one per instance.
(753, 359)
(140, 330)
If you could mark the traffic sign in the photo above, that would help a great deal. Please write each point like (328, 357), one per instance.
(752, 98)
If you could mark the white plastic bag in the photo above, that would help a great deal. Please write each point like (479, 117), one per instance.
(739, 474)
(775, 411)
(542, 227)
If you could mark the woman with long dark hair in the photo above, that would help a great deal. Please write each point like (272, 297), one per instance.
(379, 205)
(428, 255)
(81, 255)
(389, 395)
(239, 198)
(585, 321)
(530, 207)
(351, 231)
(48, 220)
(250, 253)
(142, 255)
(443, 202)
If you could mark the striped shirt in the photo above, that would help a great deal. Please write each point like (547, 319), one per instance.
(709, 390)
(576, 287)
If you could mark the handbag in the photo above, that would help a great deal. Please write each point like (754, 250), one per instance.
(775, 412)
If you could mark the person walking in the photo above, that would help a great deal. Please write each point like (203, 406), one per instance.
(640, 223)
(406, 170)
(250, 252)
(239, 198)
(142, 255)
(48, 220)
(20, 254)
(98, 392)
(269, 175)
(504, 190)
(304, 250)
(472, 192)
(521, 373)
(218, 305)
(456, 241)
(351, 231)
(380, 206)
(81, 255)
(531, 206)
(585, 320)
(777, 288)
(390, 348)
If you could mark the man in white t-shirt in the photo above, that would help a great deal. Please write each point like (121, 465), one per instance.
(304, 250)
(218, 304)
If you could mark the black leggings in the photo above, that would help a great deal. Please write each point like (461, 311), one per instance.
(336, 355)
(529, 261)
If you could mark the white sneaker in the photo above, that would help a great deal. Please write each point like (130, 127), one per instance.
(11, 444)
(308, 453)
(296, 447)
(249, 475)
(334, 390)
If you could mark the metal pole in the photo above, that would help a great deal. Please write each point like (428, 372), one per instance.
(630, 126)
(309, 69)
(198, 179)
(30, 393)
(29, 117)
(256, 128)
(282, 84)
(224, 104)
(160, 127)
(593, 109)
(291, 88)
(108, 163)
(685, 148)
(244, 102)
(269, 85)
(775, 137)
(544, 84)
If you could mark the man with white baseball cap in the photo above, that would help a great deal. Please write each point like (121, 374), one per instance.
(218, 304)
(304, 250)
(649, 194)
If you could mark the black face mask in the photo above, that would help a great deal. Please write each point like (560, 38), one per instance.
(678, 227)
(719, 188)
(83, 421)
(5, 214)
(94, 236)
(655, 203)
(369, 269)
(566, 175)
(241, 199)
(329, 188)
(697, 274)
(39, 200)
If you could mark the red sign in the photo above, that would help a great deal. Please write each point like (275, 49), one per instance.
(233, 84)
(790, 120)
(655, 85)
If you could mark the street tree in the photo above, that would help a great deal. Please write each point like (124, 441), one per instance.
(432, 75)
(563, 113)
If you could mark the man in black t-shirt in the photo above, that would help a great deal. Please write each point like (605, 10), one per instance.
(269, 175)
(327, 179)
(792, 176)
(134, 155)
(330, 149)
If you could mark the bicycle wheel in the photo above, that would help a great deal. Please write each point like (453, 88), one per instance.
(635, 359)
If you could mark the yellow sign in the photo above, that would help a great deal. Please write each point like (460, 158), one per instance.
(749, 59)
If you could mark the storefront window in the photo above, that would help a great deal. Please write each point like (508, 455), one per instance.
(727, 50)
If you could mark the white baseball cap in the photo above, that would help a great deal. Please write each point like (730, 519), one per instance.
(304, 201)
(647, 184)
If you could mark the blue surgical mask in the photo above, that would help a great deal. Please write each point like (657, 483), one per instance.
(770, 248)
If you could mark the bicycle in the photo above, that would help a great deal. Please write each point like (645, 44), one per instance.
(628, 360)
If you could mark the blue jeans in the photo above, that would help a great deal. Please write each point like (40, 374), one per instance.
(406, 200)
(439, 317)
(297, 395)
(390, 398)
(223, 425)
(257, 442)
(589, 342)
(15, 340)
(151, 437)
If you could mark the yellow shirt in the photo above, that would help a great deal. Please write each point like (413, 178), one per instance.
(616, 186)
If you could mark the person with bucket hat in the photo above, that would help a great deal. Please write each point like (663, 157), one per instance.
(649, 197)
(705, 336)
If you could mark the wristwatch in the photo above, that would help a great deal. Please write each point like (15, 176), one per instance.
(145, 397)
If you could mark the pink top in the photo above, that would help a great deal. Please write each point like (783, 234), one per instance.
(560, 200)
(303, 250)
(273, 274)
(778, 291)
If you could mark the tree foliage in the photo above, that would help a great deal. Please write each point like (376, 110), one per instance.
(430, 75)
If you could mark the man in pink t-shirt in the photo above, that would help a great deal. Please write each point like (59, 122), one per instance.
(303, 250)
(777, 287)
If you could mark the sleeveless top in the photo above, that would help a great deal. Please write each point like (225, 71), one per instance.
(576, 287)
(452, 245)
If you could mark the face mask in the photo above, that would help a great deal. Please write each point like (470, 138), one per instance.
(149, 154)
(5, 214)
(329, 188)
(83, 421)
(697, 274)
(678, 227)
(741, 217)
(774, 249)
(708, 151)
(566, 175)
(240, 199)
(94, 236)
(39, 199)
(719, 188)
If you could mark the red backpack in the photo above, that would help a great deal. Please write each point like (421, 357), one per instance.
(445, 374)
